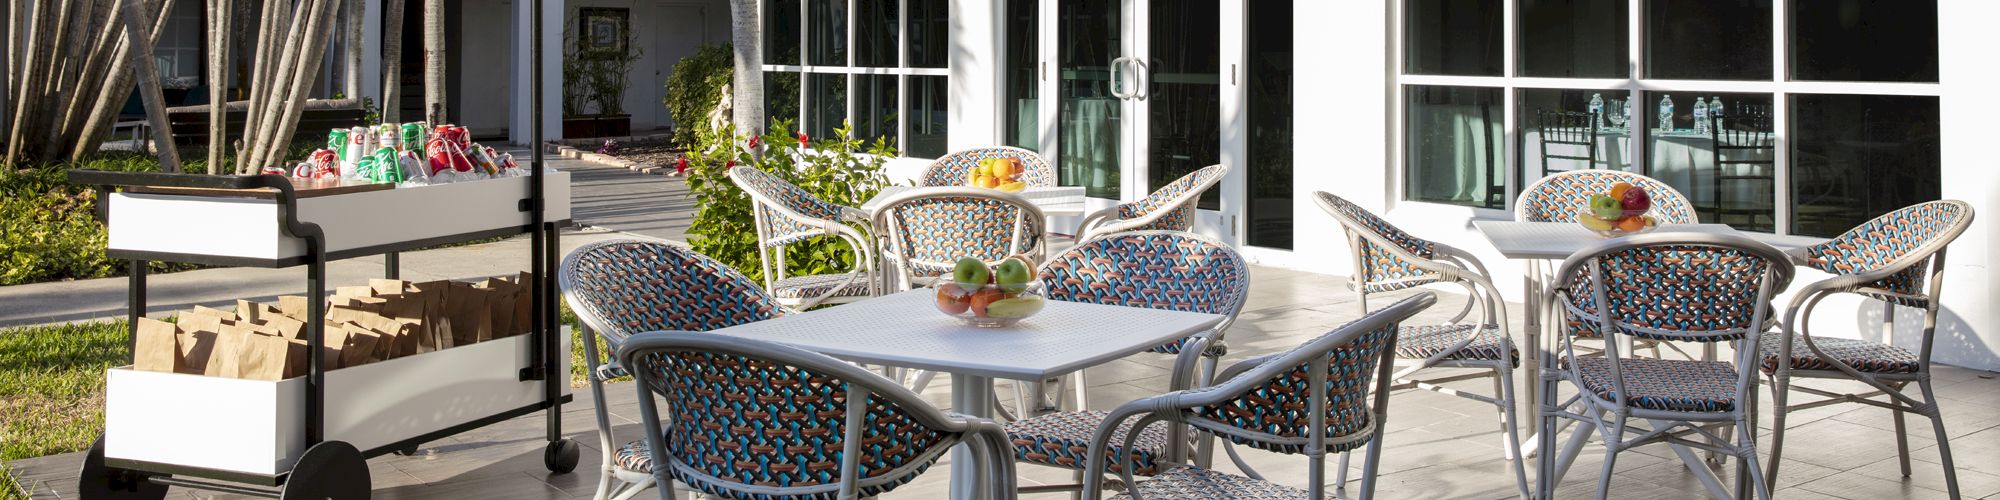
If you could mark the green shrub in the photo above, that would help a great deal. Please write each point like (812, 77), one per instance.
(838, 170)
(693, 90)
(49, 232)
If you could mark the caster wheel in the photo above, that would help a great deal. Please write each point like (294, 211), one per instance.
(561, 456)
(97, 480)
(329, 470)
(410, 451)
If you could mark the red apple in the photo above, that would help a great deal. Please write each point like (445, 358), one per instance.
(951, 300)
(984, 297)
(1636, 201)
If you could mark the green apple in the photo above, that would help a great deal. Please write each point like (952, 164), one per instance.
(970, 273)
(1012, 276)
(1606, 207)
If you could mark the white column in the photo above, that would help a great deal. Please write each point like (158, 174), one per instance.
(371, 50)
(518, 122)
(973, 98)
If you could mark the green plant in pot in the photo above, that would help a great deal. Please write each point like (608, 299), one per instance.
(598, 54)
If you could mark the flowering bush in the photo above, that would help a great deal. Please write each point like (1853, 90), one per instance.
(841, 170)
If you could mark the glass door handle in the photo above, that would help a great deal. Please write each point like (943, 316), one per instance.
(1141, 78)
(1118, 78)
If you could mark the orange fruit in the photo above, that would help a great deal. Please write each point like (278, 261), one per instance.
(1618, 190)
(984, 297)
(1631, 223)
(951, 300)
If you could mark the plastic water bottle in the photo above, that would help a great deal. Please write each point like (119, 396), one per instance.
(1700, 116)
(1630, 104)
(1667, 113)
(1597, 110)
(1715, 107)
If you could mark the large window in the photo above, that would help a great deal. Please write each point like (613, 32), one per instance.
(1798, 117)
(879, 65)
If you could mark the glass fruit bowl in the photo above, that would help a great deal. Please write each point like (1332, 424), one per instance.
(1618, 228)
(991, 305)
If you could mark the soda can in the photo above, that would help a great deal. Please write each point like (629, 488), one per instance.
(336, 140)
(387, 136)
(413, 137)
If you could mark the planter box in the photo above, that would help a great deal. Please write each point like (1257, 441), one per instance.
(258, 427)
(597, 126)
(250, 229)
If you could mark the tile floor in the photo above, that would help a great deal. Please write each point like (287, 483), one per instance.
(1439, 446)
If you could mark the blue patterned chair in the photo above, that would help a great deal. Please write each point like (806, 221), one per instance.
(928, 229)
(784, 215)
(619, 288)
(1689, 287)
(757, 420)
(951, 170)
(1328, 395)
(1171, 270)
(1171, 207)
(1897, 259)
(1558, 197)
(1387, 259)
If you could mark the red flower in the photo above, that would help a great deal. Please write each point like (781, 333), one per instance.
(803, 140)
(753, 142)
(681, 165)
(729, 164)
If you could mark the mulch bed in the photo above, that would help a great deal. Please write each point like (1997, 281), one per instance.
(656, 152)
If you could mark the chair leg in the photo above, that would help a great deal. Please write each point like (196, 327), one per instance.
(1503, 386)
(1902, 436)
(1604, 475)
(1340, 475)
(1780, 392)
(1943, 444)
(1078, 477)
(1545, 442)
(1746, 440)
(1371, 464)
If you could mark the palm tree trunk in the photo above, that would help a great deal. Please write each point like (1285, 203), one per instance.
(279, 84)
(392, 61)
(351, 23)
(748, 81)
(269, 31)
(32, 75)
(111, 96)
(312, 49)
(218, 82)
(149, 88)
(434, 54)
(77, 101)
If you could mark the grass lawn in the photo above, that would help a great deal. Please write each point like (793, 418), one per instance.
(9, 490)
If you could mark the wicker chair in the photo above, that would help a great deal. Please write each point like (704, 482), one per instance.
(1311, 400)
(1387, 259)
(1169, 208)
(751, 419)
(784, 215)
(1681, 287)
(951, 170)
(929, 229)
(1155, 269)
(622, 287)
(1558, 197)
(1897, 259)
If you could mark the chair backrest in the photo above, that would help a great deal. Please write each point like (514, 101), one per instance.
(929, 229)
(1174, 203)
(1567, 130)
(1274, 402)
(1675, 286)
(751, 419)
(1385, 258)
(623, 287)
(1171, 270)
(1895, 246)
(952, 168)
(1558, 197)
(784, 213)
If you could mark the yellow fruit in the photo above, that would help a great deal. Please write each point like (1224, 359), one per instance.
(1013, 187)
(1618, 190)
(1593, 223)
(1650, 221)
(988, 182)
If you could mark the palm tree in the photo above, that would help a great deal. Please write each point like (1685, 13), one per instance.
(434, 55)
(392, 61)
(351, 27)
(69, 68)
(218, 82)
(748, 81)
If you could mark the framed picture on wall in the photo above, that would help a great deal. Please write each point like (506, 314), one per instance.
(602, 29)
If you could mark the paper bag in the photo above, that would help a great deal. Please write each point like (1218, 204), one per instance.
(359, 347)
(210, 311)
(408, 308)
(293, 306)
(465, 310)
(263, 357)
(387, 286)
(155, 347)
(524, 307)
(285, 326)
(502, 295)
(433, 294)
(226, 359)
(354, 291)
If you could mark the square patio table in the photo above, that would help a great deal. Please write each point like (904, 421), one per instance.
(906, 330)
(1055, 201)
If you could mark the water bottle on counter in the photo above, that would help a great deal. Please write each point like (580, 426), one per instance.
(1597, 110)
(1667, 113)
(1715, 108)
(1700, 116)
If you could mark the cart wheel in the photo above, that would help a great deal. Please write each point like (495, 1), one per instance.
(411, 451)
(329, 470)
(560, 456)
(102, 481)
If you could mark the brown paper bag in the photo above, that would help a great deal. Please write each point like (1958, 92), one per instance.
(433, 294)
(285, 326)
(465, 309)
(226, 359)
(354, 291)
(300, 364)
(387, 286)
(155, 348)
(292, 306)
(524, 307)
(217, 313)
(196, 347)
(262, 357)
(359, 348)
(408, 308)
(502, 295)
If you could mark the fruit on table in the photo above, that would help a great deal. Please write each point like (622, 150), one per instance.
(1592, 222)
(1017, 307)
(982, 300)
(1632, 223)
(1012, 275)
(1618, 190)
(997, 173)
(1635, 201)
(1650, 221)
(970, 273)
(1606, 207)
(953, 300)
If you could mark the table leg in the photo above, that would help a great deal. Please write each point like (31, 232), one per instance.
(1531, 329)
(971, 396)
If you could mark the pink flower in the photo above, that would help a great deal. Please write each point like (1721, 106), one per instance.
(753, 142)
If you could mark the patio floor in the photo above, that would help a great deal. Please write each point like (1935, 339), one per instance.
(1439, 446)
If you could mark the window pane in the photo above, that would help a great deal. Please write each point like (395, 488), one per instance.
(1728, 173)
(1559, 133)
(827, 103)
(875, 107)
(1021, 107)
(1708, 39)
(927, 117)
(1452, 37)
(781, 32)
(927, 33)
(1857, 157)
(1268, 74)
(827, 35)
(1185, 90)
(781, 97)
(1865, 40)
(1453, 137)
(1088, 118)
(875, 33)
(1574, 38)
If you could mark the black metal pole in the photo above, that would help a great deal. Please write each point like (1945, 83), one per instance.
(543, 301)
(392, 265)
(315, 340)
(135, 301)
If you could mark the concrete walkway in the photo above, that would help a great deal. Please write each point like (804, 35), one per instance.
(604, 201)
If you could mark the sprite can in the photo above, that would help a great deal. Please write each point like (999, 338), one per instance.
(413, 137)
(388, 167)
(336, 140)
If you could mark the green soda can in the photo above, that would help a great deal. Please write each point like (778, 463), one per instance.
(336, 140)
(413, 137)
(388, 168)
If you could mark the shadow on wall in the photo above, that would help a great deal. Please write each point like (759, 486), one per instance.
(1955, 343)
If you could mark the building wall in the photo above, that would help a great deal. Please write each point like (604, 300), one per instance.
(485, 60)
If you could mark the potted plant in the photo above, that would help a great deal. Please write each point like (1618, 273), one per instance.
(599, 55)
